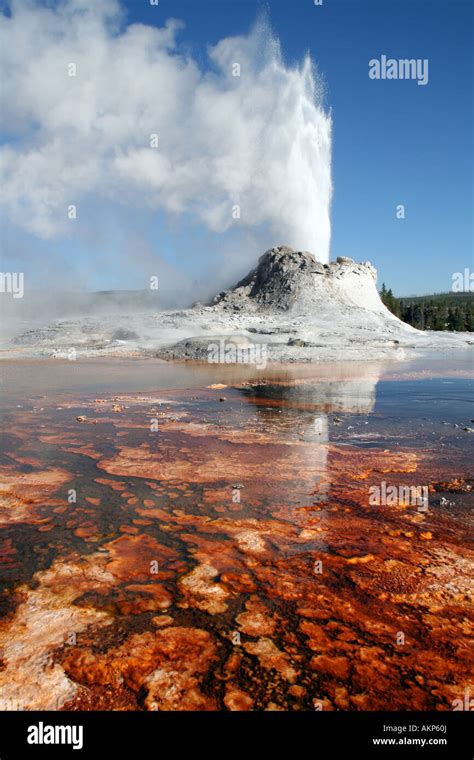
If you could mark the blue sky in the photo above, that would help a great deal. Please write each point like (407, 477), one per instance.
(394, 142)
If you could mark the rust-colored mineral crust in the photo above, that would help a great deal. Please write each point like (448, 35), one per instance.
(229, 560)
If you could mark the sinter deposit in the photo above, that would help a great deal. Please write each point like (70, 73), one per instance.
(289, 308)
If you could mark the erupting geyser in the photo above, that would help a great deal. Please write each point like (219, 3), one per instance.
(295, 159)
(244, 143)
(308, 225)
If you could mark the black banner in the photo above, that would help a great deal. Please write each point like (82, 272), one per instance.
(376, 734)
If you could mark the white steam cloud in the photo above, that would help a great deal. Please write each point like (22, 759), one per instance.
(260, 141)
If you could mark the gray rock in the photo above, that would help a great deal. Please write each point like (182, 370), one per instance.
(124, 334)
(285, 280)
(297, 342)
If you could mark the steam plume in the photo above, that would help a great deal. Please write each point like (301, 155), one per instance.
(260, 141)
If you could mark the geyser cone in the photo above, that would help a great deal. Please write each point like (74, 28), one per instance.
(288, 280)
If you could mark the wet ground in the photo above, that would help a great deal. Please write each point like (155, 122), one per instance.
(177, 537)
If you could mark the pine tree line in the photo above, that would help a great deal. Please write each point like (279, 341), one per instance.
(445, 311)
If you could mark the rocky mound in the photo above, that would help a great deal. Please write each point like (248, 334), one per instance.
(288, 280)
(290, 308)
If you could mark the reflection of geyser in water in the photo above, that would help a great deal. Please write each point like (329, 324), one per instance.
(353, 392)
(355, 396)
(332, 388)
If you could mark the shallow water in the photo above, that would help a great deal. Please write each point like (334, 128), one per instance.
(181, 546)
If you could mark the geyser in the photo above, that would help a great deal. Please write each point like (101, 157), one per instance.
(243, 143)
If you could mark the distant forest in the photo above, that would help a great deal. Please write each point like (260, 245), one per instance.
(441, 311)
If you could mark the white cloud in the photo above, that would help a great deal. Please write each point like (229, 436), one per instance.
(261, 140)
